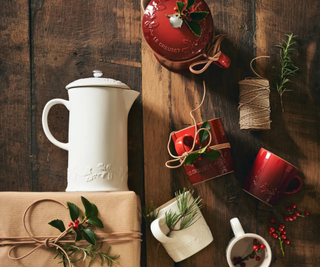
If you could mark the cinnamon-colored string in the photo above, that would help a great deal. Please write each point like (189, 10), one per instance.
(183, 157)
(254, 103)
(51, 241)
(211, 53)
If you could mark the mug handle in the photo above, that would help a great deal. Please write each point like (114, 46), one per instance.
(157, 232)
(236, 227)
(295, 190)
(45, 126)
(180, 146)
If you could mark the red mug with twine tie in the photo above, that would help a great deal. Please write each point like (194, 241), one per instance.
(271, 176)
(176, 46)
(185, 144)
(56, 241)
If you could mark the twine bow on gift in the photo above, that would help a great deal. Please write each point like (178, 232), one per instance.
(211, 53)
(183, 157)
(52, 241)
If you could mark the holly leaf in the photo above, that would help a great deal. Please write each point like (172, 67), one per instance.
(203, 149)
(89, 235)
(200, 15)
(212, 155)
(95, 221)
(87, 207)
(194, 27)
(203, 135)
(94, 210)
(78, 236)
(73, 210)
(191, 158)
(190, 3)
(180, 6)
(58, 224)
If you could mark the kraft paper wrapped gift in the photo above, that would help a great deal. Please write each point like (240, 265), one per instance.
(119, 212)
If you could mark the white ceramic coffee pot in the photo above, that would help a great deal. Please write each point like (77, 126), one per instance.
(98, 115)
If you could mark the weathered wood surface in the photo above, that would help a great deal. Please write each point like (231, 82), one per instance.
(47, 44)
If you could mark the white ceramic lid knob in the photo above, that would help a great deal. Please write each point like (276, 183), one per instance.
(97, 73)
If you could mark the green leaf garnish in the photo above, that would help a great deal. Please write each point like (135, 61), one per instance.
(95, 221)
(212, 155)
(89, 235)
(203, 149)
(58, 224)
(203, 135)
(191, 158)
(73, 210)
(78, 236)
(94, 210)
(200, 15)
(180, 6)
(194, 27)
(88, 207)
(190, 3)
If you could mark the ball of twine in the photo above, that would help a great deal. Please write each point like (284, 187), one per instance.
(254, 103)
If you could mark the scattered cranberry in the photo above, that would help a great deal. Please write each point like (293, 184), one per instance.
(257, 258)
(306, 213)
(287, 241)
(294, 206)
(272, 220)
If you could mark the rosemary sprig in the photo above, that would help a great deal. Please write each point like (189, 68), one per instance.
(89, 251)
(287, 68)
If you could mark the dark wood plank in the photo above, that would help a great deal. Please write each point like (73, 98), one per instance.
(295, 133)
(15, 155)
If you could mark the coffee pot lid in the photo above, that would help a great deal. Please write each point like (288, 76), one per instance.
(97, 81)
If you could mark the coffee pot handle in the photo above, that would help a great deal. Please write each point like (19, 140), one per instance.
(236, 227)
(45, 126)
(158, 233)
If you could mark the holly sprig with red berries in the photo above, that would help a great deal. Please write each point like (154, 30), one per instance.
(202, 151)
(257, 248)
(189, 14)
(81, 229)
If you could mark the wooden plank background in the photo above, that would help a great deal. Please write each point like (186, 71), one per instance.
(47, 44)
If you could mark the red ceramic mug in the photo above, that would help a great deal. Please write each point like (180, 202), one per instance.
(204, 169)
(270, 177)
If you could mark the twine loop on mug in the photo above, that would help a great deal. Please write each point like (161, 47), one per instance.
(211, 53)
(51, 241)
(183, 157)
(254, 103)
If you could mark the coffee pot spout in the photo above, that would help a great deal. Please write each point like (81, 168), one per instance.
(129, 97)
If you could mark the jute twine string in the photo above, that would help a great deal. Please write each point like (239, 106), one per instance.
(183, 157)
(51, 241)
(211, 53)
(254, 103)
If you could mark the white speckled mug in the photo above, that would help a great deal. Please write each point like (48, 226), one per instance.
(184, 243)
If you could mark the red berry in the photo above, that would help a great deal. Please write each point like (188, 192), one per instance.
(208, 149)
(290, 219)
(76, 222)
(272, 229)
(85, 219)
(296, 212)
(235, 259)
(283, 237)
(288, 209)
(294, 216)
(257, 258)
(198, 142)
(282, 225)
(287, 218)
(255, 242)
(294, 206)
(272, 220)
(306, 213)
(280, 229)
(70, 224)
(255, 248)
(287, 241)
(252, 256)
(175, 9)
(270, 233)
(275, 235)
(200, 158)
(262, 246)
(242, 264)
(284, 232)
